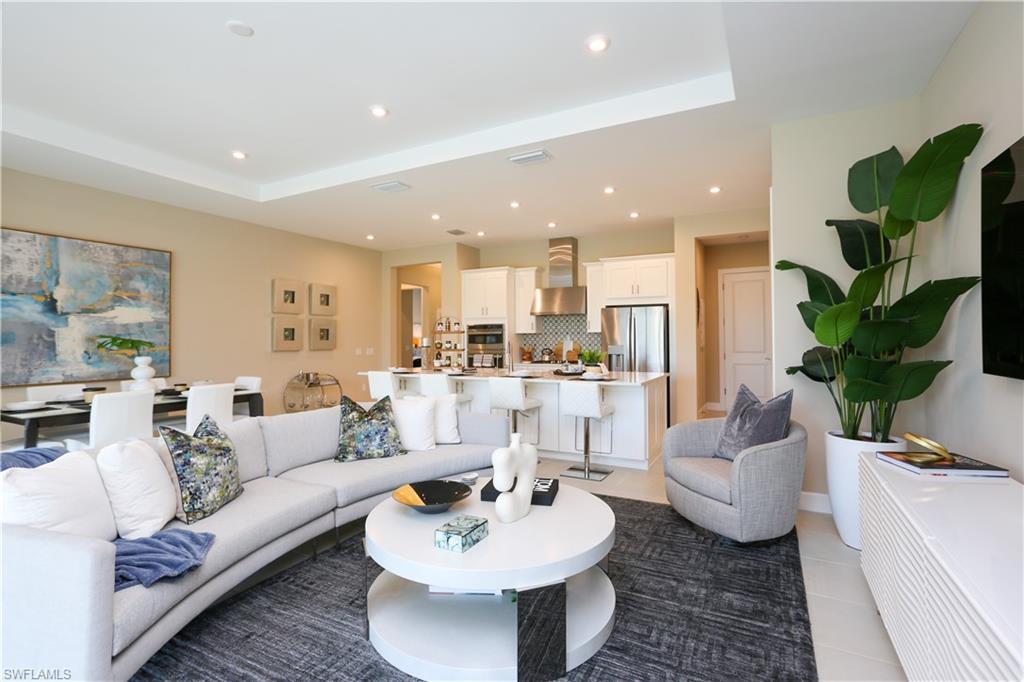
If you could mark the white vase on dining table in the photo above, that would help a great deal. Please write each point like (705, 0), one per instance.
(143, 374)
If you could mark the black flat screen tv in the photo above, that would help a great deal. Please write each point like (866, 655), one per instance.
(1002, 263)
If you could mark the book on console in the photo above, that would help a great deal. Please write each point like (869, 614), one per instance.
(960, 466)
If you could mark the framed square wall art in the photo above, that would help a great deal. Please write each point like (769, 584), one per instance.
(286, 333)
(323, 334)
(323, 299)
(287, 296)
(60, 293)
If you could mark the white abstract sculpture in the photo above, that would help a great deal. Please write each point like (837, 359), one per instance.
(514, 465)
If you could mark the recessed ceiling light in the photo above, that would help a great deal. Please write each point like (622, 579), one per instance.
(240, 155)
(479, 234)
(609, 190)
(435, 216)
(598, 43)
(513, 204)
(552, 225)
(715, 190)
(370, 237)
(379, 111)
(240, 28)
(634, 215)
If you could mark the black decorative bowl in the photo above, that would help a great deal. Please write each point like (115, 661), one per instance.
(431, 497)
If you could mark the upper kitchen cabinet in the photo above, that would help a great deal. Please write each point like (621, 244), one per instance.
(526, 284)
(487, 294)
(595, 295)
(645, 278)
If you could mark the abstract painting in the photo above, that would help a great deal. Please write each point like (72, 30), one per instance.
(57, 294)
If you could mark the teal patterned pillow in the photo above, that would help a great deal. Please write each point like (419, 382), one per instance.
(367, 434)
(206, 466)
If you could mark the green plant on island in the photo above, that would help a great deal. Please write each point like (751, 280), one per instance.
(122, 343)
(865, 332)
(591, 357)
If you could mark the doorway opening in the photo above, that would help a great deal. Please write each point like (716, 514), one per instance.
(417, 310)
(734, 320)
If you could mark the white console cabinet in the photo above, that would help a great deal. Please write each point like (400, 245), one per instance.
(944, 558)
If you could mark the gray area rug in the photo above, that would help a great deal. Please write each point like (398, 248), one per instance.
(691, 605)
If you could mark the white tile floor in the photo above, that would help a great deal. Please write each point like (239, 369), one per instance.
(850, 642)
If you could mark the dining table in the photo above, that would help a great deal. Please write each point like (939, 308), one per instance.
(62, 413)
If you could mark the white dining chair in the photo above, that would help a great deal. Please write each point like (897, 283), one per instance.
(216, 400)
(241, 410)
(115, 417)
(159, 383)
(385, 384)
(434, 384)
(53, 391)
(53, 436)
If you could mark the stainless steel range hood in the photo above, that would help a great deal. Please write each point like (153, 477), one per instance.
(562, 296)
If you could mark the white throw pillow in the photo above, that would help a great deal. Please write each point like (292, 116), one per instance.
(415, 421)
(142, 495)
(65, 495)
(446, 419)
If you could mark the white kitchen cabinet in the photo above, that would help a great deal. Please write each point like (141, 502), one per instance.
(648, 279)
(595, 295)
(526, 284)
(486, 294)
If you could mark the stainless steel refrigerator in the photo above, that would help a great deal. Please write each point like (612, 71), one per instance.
(635, 339)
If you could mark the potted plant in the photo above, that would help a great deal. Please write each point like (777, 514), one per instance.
(143, 372)
(865, 334)
(592, 360)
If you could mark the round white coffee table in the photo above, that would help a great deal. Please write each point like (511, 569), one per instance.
(549, 557)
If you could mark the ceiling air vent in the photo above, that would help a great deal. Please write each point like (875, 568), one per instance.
(525, 158)
(456, 232)
(391, 186)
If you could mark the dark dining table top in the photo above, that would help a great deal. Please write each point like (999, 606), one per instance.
(54, 409)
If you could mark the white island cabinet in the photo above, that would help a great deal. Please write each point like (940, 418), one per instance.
(631, 437)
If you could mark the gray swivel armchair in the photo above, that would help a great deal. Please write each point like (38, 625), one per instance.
(754, 497)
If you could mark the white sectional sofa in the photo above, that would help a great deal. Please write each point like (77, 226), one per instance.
(60, 611)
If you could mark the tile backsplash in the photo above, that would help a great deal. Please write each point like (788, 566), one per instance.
(554, 328)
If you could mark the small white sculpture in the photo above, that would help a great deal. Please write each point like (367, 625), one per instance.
(516, 464)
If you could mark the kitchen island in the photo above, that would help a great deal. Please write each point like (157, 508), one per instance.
(630, 437)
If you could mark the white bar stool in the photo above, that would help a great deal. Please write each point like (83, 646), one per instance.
(437, 383)
(116, 416)
(584, 399)
(509, 393)
(385, 384)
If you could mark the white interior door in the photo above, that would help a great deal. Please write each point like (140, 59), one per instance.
(746, 332)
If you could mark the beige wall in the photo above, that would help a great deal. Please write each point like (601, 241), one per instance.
(453, 259)
(719, 257)
(688, 231)
(220, 281)
(700, 275)
(981, 80)
(592, 247)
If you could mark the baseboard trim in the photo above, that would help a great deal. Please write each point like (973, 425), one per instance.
(717, 407)
(815, 502)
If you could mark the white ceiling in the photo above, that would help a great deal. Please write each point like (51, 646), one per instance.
(150, 100)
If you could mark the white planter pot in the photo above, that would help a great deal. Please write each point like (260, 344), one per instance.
(841, 461)
(143, 374)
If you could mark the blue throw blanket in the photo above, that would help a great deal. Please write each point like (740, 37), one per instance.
(29, 458)
(166, 554)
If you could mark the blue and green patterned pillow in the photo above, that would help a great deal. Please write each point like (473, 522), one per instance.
(367, 434)
(206, 466)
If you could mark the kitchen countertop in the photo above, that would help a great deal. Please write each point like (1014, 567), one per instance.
(546, 375)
